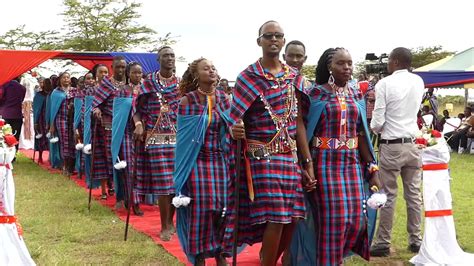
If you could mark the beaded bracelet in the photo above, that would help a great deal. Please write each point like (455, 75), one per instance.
(307, 161)
(372, 167)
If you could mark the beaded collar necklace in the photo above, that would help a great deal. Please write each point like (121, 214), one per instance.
(341, 93)
(271, 77)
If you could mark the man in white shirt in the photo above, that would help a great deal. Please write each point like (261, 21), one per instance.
(398, 99)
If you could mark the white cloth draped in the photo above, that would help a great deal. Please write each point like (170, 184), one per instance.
(13, 250)
(439, 246)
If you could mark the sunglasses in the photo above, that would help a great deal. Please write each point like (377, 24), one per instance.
(270, 35)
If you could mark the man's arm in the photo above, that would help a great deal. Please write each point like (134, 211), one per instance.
(378, 115)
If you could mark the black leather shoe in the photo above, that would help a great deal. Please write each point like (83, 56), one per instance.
(415, 248)
(379, 252)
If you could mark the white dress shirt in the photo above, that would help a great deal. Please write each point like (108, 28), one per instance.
(397, 101)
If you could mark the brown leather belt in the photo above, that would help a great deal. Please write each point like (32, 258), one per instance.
(259, 150)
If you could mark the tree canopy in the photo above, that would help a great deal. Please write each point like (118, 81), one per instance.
(94, 25)
(426, 55)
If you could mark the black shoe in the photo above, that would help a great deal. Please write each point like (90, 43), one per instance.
(415, 248)
(379, 252)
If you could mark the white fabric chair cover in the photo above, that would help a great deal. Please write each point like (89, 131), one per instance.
(439, 246)
(13, 250)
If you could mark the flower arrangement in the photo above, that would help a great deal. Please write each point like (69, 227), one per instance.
(7, 139)
(427, 137)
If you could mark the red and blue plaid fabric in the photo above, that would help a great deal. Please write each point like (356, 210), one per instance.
(102, 139)
(339, 213)
(126, 149)
(156, 163)
(64, 125)
(277, 182)
(208, 182)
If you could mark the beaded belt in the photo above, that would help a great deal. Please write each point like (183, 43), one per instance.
(335, 144)
(160, 138)
(107, 125)
(260, 150)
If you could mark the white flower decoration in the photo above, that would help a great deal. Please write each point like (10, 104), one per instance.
(119, 165)
(54, 140)
(79, 146)
(181, 200)
(377, 200)
(48, 135)
(87, 149)
(39, 136)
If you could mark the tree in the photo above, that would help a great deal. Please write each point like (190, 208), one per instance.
(425, 55)
(19, 38)
(93, 25)
(100, 25)
(309, 71)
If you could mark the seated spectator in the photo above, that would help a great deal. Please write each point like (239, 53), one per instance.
(457, 139)
(442, 121)
(429, 118)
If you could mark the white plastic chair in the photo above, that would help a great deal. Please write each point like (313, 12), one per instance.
(451, 124)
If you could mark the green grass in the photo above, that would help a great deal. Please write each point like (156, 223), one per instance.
(59, 230)
(462, 189)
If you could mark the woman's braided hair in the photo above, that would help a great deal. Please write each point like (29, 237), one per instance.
(190, 81)
(322, 70)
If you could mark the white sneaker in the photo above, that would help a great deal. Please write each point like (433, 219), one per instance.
(460, 150)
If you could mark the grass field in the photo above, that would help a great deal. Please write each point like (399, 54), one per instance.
(59, 230)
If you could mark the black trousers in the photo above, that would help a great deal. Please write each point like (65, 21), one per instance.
(458, 139)
(16, 125)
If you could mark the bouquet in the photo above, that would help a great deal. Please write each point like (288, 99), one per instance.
(427, 137)
(7, 139)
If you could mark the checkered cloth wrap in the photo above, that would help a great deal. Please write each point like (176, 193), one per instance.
(102, 139)
(277, 183)
(64, 125)
(156, 163)
(207, 182)
(340, 218)
(126, 152)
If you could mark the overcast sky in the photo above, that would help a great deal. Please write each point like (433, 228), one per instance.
(225, 31)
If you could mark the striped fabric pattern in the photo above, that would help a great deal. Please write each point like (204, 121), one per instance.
(126, 152)
(277, 182)
(156, 163)
(207, 184)
(340, 216)
(64, 126)
(102, 139)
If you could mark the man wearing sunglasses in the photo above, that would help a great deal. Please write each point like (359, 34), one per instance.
(263, 115)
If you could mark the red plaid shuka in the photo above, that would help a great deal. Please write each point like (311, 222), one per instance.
(340, 218)
(208, 183)
(103, 99)
(64, 124)
(276, 182)
(156, 163)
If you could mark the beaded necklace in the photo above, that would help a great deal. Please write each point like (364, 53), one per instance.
(341, 93)
(271, 77)
(160, 82)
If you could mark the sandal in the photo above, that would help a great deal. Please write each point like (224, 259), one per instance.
(111, 191)
(104, 196)
(165, 235)
(137, 211)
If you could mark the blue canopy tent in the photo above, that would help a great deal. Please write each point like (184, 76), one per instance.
(454, 71)
(16, 62)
